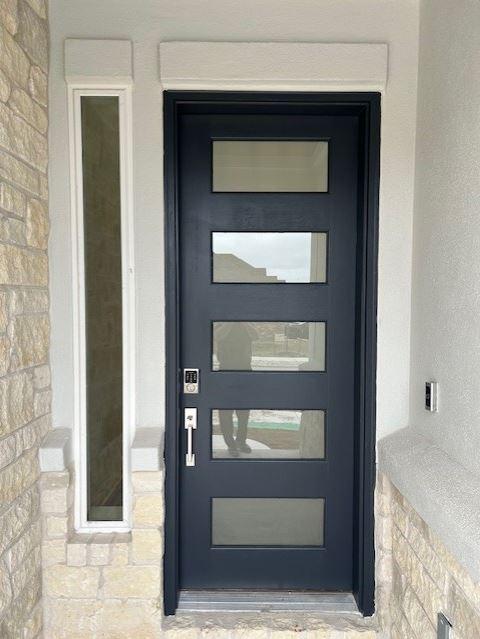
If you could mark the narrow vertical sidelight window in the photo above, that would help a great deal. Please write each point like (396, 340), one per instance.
(103, 263)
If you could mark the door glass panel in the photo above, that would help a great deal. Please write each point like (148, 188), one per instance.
(268, 434)
(267, 522)
(268, 346)
(273, 258)
(270, 166)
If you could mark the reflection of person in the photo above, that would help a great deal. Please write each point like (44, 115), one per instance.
(234, 352)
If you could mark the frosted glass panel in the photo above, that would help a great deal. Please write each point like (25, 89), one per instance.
(269, 258)
(268, 346)
(267, 522)
(268, 434)
(270, 166)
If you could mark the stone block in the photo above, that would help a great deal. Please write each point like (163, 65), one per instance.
(21, 103)
(30, 336)
(17, 171)
(140, 582)
(148, 511)
(32, 34)
(41, 376)
(40, 6)
(14, 519)
(37, 224)
(13, 60)
(42, 403)
(54, 497)
(56, 527)
(119, 554)
(29, 301)
(148, 482)
(4, 87)
(71, 581)
(8, 450)
(27, 571)
(76, 554)
(19, 476)
(146, 546)
(53, 552)
(3, 311)
(12, 200)
(16, 402)
(9, 15)
(33, 625)
(20, 138)
(98, 554)
(22, 267)
(24, 546)
(38, 85)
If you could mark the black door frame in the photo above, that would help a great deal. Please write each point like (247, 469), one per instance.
(367, 107)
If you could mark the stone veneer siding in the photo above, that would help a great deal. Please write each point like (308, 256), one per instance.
(24, 324)
(427, 579)
(103, 585)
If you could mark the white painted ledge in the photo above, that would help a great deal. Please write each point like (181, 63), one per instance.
(444, 493)
(98, 61)
(56, 450)
(308, 66)
(147, 449)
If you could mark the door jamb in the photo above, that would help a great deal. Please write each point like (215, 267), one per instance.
(367, 106)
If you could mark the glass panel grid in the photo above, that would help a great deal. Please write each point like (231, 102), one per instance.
(269, 258)
(268, 346)
(268, 434)
(259, 521)
(270, 166)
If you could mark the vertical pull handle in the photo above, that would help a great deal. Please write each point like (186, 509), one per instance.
(190, 424)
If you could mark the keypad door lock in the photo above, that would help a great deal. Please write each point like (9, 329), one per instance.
(191, 381)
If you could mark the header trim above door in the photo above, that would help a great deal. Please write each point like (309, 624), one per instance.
(305, 66)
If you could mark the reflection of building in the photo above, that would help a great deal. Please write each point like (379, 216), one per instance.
(230, 268)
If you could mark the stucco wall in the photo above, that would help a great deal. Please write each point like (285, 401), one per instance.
(446, 264)
(146, 24)
(24, 324)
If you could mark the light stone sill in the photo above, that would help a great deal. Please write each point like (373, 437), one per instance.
(100, 538)
(147, 449)
(352, 626)
(445, 494)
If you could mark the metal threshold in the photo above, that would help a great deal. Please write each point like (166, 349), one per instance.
(266, 601)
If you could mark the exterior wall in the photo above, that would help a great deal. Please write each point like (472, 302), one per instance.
(427, 579)
(24, 324)
(446, 268)
(103, 585)
(152, 21)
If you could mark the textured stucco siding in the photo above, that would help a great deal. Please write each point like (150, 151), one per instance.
(24, 323)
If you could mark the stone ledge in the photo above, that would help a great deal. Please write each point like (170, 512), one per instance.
(283, 625)
(56, 450)
(445, 494)
(147, 450)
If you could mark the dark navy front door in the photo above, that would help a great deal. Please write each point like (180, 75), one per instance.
(268, 206)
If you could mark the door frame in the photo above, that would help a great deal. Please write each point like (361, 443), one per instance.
(367, 106)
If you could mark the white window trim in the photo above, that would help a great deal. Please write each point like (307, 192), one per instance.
(124, 93)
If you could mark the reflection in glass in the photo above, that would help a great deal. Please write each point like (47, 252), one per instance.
(103, 305)
(272, 258)
(268, 346)
(270, 166)
(267, 522)
(268, 434)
